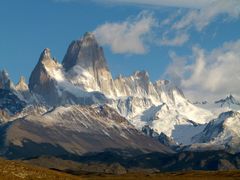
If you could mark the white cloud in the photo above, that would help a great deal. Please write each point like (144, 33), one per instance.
(198, 19)
(179, 40)
(171, 3)
(176, 71)
(205, 15)
(199, 15)
(129, 36)
(216, 73)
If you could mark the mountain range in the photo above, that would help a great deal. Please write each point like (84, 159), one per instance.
(77, 107)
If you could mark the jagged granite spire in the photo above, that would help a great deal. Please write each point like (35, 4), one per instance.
(87, 54)
(5, 82)
(22, 85)
(46, 55)
(4, 79)
(40, 81)
(39, 74)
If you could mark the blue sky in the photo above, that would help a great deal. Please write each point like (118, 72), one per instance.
(166, 38)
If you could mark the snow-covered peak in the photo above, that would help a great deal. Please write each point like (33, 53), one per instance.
(229, 101)
(220, 133)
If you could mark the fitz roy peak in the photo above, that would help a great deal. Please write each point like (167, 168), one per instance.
(77, 107)
(84, 78)
(86, 65)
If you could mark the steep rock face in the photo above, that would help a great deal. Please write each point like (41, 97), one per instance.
(138, 84)
(168, 92)
(49, 80)
(75, 130)
(134, 94)
(88, 55)
(41, 82)
(137, 93)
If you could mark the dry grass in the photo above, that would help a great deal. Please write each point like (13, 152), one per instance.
(17, 170)
(11, 170)
(172, 176)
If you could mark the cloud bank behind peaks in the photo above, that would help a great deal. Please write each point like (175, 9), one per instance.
(129, 36)
(215, 73)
